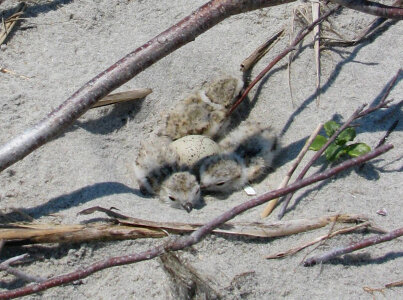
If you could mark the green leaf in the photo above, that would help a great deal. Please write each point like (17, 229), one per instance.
(347, 135)
(318, 142)
(331, 127)
(358, 149)
(334, 151)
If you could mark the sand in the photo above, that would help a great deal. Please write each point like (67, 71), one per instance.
(63, 44)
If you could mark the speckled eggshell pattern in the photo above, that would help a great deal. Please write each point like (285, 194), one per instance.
(192, 148)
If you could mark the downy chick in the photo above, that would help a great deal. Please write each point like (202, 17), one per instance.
(249, 149)
(181, 190)
(157, 172)
(255, 144)
(204, 112)
(222, 173)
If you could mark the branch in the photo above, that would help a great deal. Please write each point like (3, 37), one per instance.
(373, 8)
(180, 243)
(122, 71)
(5, 266)
(300, 36)
(359, 113)
(353, 247)
(272, 203)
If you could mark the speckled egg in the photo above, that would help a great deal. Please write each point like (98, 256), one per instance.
(192, 148)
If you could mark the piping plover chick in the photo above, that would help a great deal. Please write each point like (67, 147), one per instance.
(248, 153)
(204, 112)
(223, 173)
(158, 173)
(181, 190)
(255, 144)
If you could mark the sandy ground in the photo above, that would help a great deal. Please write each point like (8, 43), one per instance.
(63, 44)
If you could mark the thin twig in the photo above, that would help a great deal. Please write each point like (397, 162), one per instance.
(317, 240)
(373, 8)
(318, 154)
(359, 113)
(316, 45)
(353, 247)
(5, 266)
(272, 203)
(381, 290)
(300, 36)
(122, 71)
(9, 24)
(180, 243)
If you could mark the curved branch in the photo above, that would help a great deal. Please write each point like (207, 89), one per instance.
(180, 243)
(122, 71)
(373, 8)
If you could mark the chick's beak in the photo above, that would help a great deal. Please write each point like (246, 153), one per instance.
(188, 207)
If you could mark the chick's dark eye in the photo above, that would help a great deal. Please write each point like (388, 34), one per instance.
(220, 183)
(172, 198)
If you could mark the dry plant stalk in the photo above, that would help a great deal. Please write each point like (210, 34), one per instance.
(132, 228)
(11, 21)
(316, 44)
(185, 31)
(353, 247)
(24, 233)
(261, 51)
(179, 243)
(382, 289)
(300, 36)
(296, 249)
(272, 203)
(123, 97)
(7, 71)
(359, 113)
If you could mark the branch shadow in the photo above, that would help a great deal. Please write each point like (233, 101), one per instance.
(113, 120)
(74, 199)
(362, 259)
(350, 58)
(45, 7)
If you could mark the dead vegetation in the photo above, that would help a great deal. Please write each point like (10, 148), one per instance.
(188, 282)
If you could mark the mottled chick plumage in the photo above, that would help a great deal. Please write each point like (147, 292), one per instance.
(256, 144)
(158, 173)
(181, 190)
(222, 173)
(249, 152)
(204, 112)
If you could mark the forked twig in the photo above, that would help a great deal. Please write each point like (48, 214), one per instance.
(353, 247)
(180, 243)
(5, 266)
(373, 8)
(300, 36)
(359, 113)
(317, 240)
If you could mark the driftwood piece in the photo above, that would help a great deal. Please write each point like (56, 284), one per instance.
(132, 228)
(56, 233)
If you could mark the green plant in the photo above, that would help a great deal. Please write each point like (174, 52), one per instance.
(339, 147)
